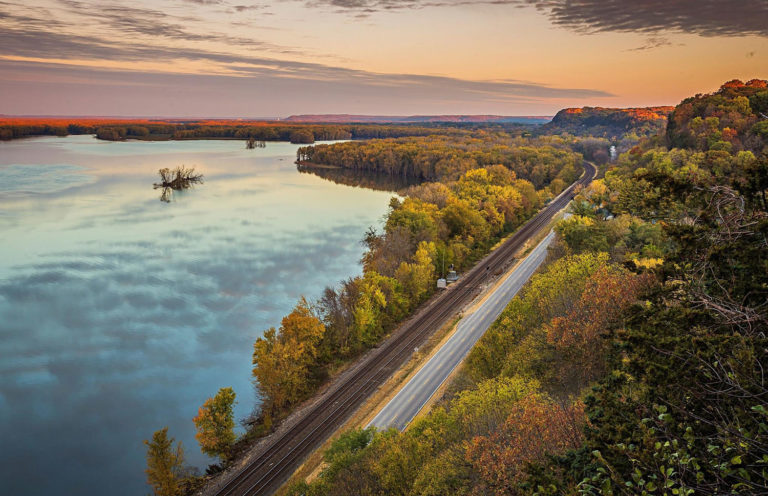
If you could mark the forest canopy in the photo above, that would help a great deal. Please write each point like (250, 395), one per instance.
(634, 363)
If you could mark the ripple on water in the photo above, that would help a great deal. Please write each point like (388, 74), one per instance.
(41, 178)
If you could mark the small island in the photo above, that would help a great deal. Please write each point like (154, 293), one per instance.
(177, 179)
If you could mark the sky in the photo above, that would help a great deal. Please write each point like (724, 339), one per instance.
(234, 58)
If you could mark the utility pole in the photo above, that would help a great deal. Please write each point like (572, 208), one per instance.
(442, 274)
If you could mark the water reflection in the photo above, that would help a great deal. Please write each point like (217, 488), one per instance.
(119, 315)
(352, 177)
(177, 179)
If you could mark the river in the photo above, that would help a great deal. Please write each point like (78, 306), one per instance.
(121, 313)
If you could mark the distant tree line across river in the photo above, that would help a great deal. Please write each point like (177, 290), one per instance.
(158, 130)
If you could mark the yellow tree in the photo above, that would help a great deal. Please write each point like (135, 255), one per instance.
(418, 277)
(164, 463)
(215, 424)
(281, 360)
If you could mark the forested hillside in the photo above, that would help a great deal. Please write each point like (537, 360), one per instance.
(610, 123)
(635, 362)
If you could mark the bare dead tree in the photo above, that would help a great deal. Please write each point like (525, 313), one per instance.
(179, 178)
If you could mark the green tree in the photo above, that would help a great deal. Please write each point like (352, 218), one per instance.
(164, 463)
(215, 424)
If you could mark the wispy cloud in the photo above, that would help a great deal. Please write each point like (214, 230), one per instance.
(124, 21)
(252, 89)
(651, 43)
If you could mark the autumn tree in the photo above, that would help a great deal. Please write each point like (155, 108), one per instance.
(164, 463)
(536, 427)
(418, 277)
(282, 360)
(215, 424)
(577, 339)
(380, 304)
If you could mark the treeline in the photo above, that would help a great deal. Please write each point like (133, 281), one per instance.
(260, 131)
(9, 132)
(635, 363)
(610, 123)
(309, 133)
(436, 225)
(733, 119)
(438, 158)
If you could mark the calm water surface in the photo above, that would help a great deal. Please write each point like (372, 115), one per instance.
(121, 314)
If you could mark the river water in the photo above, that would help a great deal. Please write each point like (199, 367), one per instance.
(121, 313)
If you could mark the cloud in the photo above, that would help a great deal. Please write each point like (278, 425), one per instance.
(245, 8)
(252, 87)
(651, 43)
(109, 337)
(140, 35)
(702, 17)
(133, 21)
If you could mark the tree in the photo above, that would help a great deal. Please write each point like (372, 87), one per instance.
(282, 360)
(302, 136)
(164, 463)
(215, 424)
(418, 277)
(577, 339)
(535, 427)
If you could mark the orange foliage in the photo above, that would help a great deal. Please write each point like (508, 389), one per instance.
(730, 134)
(733, 83)
(640, 114)
(536, 426)
(578, 336)
(757, 83)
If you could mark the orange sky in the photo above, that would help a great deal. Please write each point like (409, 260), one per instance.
(232, 58)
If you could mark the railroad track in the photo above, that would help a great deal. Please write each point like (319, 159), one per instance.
(283, 454)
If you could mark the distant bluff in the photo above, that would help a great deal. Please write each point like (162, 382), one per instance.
(609, 122)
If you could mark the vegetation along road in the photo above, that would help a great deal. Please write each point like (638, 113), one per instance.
(282, 455)
(416, 393)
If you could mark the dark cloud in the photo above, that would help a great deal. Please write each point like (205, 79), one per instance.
(702, 17)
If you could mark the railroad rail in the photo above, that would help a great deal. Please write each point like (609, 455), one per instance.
(282, 455)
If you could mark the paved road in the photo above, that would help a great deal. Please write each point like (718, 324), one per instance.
(276, 458)
(414, 395)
